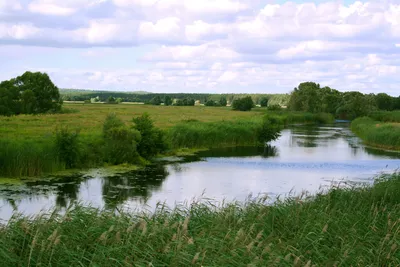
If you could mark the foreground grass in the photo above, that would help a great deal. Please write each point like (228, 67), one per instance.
(345, 227)
(376, 133)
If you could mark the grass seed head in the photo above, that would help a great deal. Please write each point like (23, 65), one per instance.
(196, 257)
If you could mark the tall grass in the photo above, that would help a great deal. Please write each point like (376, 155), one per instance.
(196, 134)
(290, 117)
(345, 227)
(18, 159)
(378, 134)
(386, 116)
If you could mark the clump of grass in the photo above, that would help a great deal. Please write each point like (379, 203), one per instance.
(378, 134)
(345, 227)
(195, 134)
(290, 117)
(28, 158)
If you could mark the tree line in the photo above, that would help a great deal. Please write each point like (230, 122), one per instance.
(311, 97)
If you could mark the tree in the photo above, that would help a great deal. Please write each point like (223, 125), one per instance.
(167, 100)
(152, 139)
(243, 104)
(385, 101)
(223, 101)
(210, 103)
(46, 96)
(155, 101)
(264, 102)
(111, 100)
(32, 92)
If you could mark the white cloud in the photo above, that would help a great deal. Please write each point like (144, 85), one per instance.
(210, 44)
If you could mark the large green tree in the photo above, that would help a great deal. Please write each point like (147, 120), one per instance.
(30, 93)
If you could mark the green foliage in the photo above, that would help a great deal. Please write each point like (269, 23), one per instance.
(196, 134)
(120, 141)
(111, 100)
(385, 116)
(223, 102)
(243, 104)
(167, 101)
(30, 93)
(152, 139)
(185, 102)
(264, 102)
(385, 102)
(28, 158)
(310, 97)
(378, 134)
(270, 129)
(210, 103)
(274, 107)
(156, 101)
(352, 226)
(67, 147)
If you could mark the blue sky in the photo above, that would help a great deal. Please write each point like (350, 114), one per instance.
(265, 46)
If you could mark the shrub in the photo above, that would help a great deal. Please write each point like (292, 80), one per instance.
(270, 129)
(152, 139)
(243, 104)
(67, 146)
(120, 141)
(275, 107)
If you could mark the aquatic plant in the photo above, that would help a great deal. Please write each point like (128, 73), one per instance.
(378, 134)
(348, 226)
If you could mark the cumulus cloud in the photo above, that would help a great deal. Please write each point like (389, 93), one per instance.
(211, 44)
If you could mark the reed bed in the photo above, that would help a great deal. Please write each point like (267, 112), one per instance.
(378, 134)
(350, 226)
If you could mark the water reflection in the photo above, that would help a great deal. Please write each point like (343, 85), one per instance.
(304, 157)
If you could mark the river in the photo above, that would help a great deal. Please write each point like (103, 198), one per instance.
(304, 158)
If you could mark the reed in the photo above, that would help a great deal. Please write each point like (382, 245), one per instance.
(347, 226)
(377, 134)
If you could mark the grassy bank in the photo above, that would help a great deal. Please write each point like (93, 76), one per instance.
(291, 117)
(378, 134)
(346, 227)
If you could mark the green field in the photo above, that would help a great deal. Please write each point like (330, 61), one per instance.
(89, 118)
(346, 227)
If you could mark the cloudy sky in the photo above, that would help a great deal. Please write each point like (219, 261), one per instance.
(217, 46)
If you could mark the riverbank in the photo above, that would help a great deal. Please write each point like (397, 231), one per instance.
(380, 134)
(87, 146)
(348, 226)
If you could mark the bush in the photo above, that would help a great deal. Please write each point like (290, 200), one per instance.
(243, 104)
(120, 141)
(210, 103)
(152, 139)
(270, 129)
(67, 147)
(275, 107)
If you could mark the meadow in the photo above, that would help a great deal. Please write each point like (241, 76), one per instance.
(347, 226)
(89, 118)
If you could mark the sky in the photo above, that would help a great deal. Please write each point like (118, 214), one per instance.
(208, 46)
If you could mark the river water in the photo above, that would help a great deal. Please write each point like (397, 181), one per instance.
(306, 158)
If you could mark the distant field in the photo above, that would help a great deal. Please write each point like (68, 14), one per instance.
(89, 118)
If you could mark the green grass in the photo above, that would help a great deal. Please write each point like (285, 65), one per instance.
(195, 134)
(378, 134)
(345, 227)
(386, 116)
(290, 117)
